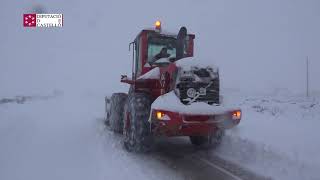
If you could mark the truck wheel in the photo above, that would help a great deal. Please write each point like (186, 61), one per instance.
(137, 136)
(117, 103)
(211, 141)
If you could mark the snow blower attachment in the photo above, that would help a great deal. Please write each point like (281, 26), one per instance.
(198, 84)
(170, 94)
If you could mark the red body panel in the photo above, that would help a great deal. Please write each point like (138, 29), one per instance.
(155, 87)
(144, 53)
(190, 124)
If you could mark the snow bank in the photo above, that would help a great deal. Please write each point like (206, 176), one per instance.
(171, 102)
(277, 136)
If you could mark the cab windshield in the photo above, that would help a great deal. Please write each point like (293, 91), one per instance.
(156, 44)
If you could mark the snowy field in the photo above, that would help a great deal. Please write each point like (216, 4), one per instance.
(64, 138)
(278, 135)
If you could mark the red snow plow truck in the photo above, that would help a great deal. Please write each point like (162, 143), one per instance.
(171, 94)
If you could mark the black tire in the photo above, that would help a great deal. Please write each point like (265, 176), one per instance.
(137, 136)
(117, 103)
(211, 141)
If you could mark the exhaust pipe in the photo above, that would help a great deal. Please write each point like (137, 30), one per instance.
(181, 39)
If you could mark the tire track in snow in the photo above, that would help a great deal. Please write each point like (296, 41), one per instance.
(198, 164)
(192, 163)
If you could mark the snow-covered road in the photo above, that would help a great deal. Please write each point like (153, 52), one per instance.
(63, 137)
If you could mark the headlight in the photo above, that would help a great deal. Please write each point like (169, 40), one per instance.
(236, 114)
(162, 116)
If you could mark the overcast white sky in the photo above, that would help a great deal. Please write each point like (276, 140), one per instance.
(259, 45)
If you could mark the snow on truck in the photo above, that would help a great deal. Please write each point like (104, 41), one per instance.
(171, 94)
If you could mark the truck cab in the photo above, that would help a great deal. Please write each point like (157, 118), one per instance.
(149, 43)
